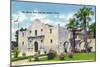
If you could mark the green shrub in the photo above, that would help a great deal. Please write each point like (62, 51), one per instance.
(36, 56)
(30, 59)
(90, 49)
(83, 51)
(16, 53)
(77, 50)
(62, 56)
(23, 54)
(70, 55)
(51, 54)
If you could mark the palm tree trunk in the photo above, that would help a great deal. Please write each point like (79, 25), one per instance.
(85, 36)
(73, 40)
(94, 33)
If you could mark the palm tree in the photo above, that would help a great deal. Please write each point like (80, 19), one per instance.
(92, 28)
(72, 25)
(83, 15)
(23, 29)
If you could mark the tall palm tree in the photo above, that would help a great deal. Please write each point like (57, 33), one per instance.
(83, 15)
(92, 28)
(72, 25)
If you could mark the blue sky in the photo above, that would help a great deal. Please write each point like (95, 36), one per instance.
(25, 19)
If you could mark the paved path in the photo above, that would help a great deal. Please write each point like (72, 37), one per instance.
(26, 62)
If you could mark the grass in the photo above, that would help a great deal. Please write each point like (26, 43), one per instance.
(81, 56)
(22, 58)
(76, 56)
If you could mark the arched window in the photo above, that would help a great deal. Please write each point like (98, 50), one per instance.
(41, 41)
(30, 31)
(23, 34)
(41, 30)
(22, 43)
(51, 41)
(50, 30)
(35, 32)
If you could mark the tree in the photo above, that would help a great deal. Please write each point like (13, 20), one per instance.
(23, 29)
(92, 28)
(13, 45)
(16, 53)
(16, 36)
(83, 15)
(72, 25)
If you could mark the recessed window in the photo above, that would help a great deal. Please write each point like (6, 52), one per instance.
(50, 30)
(35, 32)
(23, 34)
(30, 41)
(30, 49)
(22, 43)
(41, 30)
(41, 41)
(51, 41)
(30, 31)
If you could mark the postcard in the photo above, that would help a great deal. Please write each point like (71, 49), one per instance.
(52, 33)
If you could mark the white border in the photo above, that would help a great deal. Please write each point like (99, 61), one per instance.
(5, 32)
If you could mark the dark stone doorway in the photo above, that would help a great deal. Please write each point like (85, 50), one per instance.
(36, 46)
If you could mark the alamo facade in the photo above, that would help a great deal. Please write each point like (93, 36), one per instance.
(43, 37)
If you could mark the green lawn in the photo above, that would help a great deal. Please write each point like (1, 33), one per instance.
(76, 56)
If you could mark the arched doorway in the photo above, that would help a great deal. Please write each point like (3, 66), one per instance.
(65, 46)
(35, 46)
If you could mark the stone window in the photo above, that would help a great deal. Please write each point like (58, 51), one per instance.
(41, 30)
(41, 41)
(30, 49)
(30, 40)
(22, 43)
(23, 34)
(30, 31)
(50, 30)
(51, 41)
(35, 32)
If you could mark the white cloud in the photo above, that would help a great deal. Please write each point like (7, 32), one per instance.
(63, 19)
(51, 22)
(14, 30)
(22, 17)
(37, 16)
(19, 16)
(27, 26)
(44, 18)
(93, 19)
(13, 33)
(62, 16)
(70, 15)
